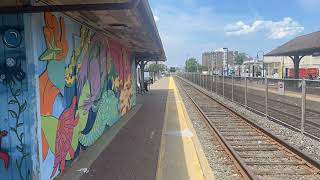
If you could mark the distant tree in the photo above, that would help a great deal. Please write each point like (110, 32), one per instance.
(239, 59)
(156, 67)
(191, 65)
(172, 69)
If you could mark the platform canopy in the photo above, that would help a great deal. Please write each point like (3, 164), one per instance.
(297, 48)
(129, 21)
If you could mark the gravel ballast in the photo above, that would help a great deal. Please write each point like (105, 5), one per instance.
(296, 139)
(219, 162)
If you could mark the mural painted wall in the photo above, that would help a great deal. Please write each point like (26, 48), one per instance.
(86, 83)
(15, 118)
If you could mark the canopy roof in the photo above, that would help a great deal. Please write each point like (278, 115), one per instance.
(129, 21)
(305, 45)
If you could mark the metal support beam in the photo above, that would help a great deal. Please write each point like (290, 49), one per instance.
(212, 82)
(303, 105)
(216, 83)
(232, 89)
(266, 96)
(69, 7)
(142, 66)
(207, 82)
(246, 92)
(223, 86)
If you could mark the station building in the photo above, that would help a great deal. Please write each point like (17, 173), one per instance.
(303, 51)
(283, 66)
(67, 74)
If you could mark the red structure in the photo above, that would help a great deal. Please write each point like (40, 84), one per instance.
(304, 73)
(4, 155)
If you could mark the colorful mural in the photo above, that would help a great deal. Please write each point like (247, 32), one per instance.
(15, 153)
(86, 84)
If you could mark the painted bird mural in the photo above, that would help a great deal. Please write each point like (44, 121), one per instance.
(67, 122)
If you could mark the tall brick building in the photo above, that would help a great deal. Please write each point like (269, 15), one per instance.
(218, 59)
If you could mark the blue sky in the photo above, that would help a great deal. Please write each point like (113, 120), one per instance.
(190, 27)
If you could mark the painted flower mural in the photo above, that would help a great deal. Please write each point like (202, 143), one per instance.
(125, 96)
(84, 89)
(66, 124)
(107, 114)
(55, 35)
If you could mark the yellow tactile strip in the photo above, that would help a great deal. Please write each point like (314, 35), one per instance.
(178, 157)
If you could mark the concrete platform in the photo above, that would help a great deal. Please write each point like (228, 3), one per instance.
(155, 140)
(181, 155)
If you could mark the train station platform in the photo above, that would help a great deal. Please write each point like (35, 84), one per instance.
(155, 140)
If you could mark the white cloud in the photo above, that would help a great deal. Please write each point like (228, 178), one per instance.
(156, 18)
(181, 31)
(276, 29)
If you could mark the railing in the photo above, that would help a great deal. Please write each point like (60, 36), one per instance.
(294, 103)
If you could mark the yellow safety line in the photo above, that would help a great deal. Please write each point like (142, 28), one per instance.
(206, 169)
(193, 164)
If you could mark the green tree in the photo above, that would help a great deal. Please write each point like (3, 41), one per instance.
(156, 67)
(239, 59)
(191, 65)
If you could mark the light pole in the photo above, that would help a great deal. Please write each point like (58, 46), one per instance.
(263, 73)
(247, 56)
(227, 61)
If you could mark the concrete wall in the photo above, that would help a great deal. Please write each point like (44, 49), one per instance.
(77, 84)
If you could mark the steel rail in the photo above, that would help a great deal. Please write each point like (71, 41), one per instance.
(315, 163)
(241, 166)
(282, 122)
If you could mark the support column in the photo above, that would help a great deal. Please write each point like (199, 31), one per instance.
(142, 65)
(296, 61)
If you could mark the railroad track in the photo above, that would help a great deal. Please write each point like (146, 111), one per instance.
(282, 112)
(257, 154)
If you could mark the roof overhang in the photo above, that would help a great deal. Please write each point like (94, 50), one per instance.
(129, 21)
(305, 45)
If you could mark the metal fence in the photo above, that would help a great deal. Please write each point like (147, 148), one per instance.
(292, 102)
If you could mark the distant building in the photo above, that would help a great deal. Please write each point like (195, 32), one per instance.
(283, 66)
(217, 60)
(207, 59)
(251, 68)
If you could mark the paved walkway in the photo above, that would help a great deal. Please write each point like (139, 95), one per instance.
(133, 153)
(181, 156)
(157, 142)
